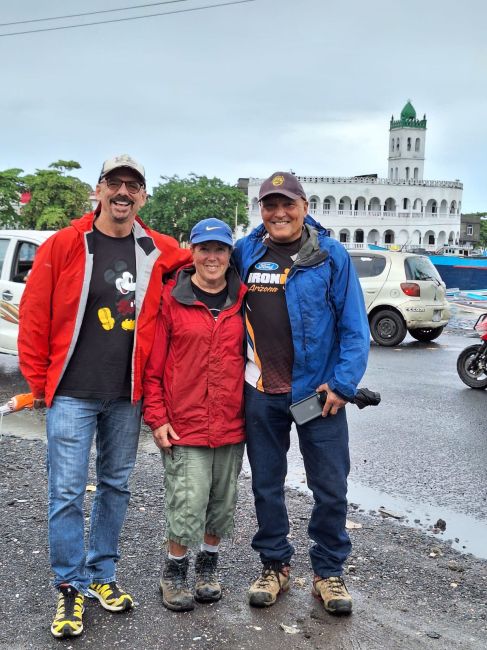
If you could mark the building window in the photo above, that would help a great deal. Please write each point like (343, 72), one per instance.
(397, 173)
(404, 204)
(409, 144)
(392, 174)
(392, 144)
(469, 230)
(416, 173)
(417, 144)
(326, 204)
(431, 240)
(407, 173)
(397, 145)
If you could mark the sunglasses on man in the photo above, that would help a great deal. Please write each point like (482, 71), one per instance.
(114, 184)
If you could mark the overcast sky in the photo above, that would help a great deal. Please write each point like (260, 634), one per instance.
(245, 90)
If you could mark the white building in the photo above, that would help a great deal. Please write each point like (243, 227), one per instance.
(402, 209)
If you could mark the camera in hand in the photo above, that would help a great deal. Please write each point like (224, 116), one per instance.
(311, 407)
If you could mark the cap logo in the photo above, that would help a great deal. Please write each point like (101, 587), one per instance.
(277, 181)
(213, 227)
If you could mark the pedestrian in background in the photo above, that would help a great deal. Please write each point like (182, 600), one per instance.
(87, 319)
(307, 331)
(193, 402)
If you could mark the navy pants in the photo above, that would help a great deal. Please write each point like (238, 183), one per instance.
(324, 446)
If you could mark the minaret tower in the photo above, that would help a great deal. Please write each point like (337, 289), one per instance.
(406, 146)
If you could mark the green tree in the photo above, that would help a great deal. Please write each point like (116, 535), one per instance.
(178, 203)
(65, 164)
(11, 187)
(56, 198)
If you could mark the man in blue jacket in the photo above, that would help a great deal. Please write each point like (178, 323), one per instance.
(307, 331)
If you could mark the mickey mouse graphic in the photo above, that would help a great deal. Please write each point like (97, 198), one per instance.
(125, 284)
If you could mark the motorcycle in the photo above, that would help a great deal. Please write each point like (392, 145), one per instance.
(472, 362)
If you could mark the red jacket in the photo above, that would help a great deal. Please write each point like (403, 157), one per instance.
(195, 374)
(54, 301)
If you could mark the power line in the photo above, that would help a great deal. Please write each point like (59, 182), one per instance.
(90, 13)
(121, 20)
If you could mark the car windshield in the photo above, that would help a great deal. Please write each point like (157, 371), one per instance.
(420, 268)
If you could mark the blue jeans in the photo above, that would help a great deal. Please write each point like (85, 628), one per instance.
(71, 426)
(324, 446)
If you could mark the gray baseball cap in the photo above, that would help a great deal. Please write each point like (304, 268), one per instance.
(123, 160)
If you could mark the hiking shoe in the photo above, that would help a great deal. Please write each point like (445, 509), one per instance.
(69, 615)
(174, 586)
(334, 594)
(273, 581)
(207, 589)
(111, 596)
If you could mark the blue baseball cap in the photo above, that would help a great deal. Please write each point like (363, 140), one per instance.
(211, 230)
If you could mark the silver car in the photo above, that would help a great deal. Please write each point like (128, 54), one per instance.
(403, 293)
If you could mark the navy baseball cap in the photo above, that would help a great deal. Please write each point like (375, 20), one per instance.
(211, 230)
(282, 183)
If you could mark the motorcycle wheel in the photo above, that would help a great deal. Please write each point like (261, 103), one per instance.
(472, 377)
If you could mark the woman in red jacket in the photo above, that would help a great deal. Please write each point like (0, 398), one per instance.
(193, 402)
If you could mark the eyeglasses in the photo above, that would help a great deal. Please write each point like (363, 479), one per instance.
(116, 183)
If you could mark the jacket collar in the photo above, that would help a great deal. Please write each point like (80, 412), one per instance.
(183, 288)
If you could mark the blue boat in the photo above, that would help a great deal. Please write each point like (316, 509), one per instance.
(466, 273)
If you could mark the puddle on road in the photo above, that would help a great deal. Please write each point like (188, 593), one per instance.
(471, 533)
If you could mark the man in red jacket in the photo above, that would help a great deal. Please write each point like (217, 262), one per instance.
(87, 319)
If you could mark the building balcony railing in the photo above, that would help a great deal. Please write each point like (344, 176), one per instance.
(377, 215)
(370, 180)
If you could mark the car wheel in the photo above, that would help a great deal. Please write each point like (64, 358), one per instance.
(426, 334)
(387, 328)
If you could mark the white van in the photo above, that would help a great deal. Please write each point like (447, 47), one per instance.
(17, 250)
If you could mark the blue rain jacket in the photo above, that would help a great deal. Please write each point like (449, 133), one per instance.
(326, 309)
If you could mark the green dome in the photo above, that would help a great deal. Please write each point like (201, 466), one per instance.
(408, 112)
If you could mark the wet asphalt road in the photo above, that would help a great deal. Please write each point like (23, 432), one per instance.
(425, 446)
(427, 440)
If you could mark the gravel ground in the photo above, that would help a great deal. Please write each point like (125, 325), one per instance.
(410, 590)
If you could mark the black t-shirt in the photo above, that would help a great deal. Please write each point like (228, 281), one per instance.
(214, 301)
(100, 367)
(267, 317)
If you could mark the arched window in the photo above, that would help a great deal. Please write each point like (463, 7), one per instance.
(392, 144)
(397, 145)
(326, 204)
(397, 173)
(409, 144)
(404, 204)
(416, 173)
(417, 144)
(407, 173)
(431, 240)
